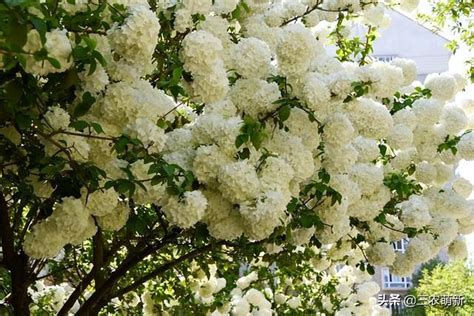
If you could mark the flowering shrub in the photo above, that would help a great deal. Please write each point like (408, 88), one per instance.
(213, 157)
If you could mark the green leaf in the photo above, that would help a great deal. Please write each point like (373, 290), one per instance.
(23, 120)
(92, 67)
(83, 107)
(256, 137)
(284, 112)
(97, 55)
(381, 218)
(79, 125)
(121, 144)
(97, 127)
(41, 27)
(16, 33)
(243, 154)
(169, 169)
(123, 186)
(14, 92)
(53, 169)
(54, 62)
(176, 76)
(292, 206)
(370, 269)
(240, 140)
(324, 175)
(245, 6)
(90, 42)
(236, 13)
(382, 149)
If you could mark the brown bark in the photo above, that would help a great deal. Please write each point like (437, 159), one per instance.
(92, 305)
(98, 257)
(17, 263)
(101, 296)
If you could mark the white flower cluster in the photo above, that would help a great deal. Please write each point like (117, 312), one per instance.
(296, 50)
(58, 47)
(71, 223)
(252, 58)
(50, 298)
(254, 97)
(203, 286)
(187, 211)
(252, 296)
(201, 54)
(133, 44)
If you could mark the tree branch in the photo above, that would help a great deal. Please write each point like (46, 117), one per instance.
(125, 266)
(82, 135)
(98, 257)
(308, 11)
(190, 255)
(6, 234)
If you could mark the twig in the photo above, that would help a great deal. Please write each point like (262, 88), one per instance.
(82, 135)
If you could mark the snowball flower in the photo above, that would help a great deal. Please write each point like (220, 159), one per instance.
(238, 181)
(224, 6)
(116, 219)
(371, 118)
(251, 58)
(101, 202)
(427, 111)
(244, 282)
(152, 137)
(369, 177)
(294, 302)
(442, 86)
(186, 211)
(338, 130)
(401, 137)
(257, 298)
(57, 46)
(415, 212)
(296, 49)
(200, 52)
(453, 118)
(405, 116)
(315, 91)
(466, 146)
(43, 241)
(462, 187)
(408, 68)
(458, 249)
(381, 254)
(57, 118)
(409, 5)
(367, 148)
(254, 97)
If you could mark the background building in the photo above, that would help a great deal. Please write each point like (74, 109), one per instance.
(406, 38)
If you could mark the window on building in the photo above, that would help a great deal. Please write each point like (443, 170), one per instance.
(391, 281)
(400, 245)
(385, 58)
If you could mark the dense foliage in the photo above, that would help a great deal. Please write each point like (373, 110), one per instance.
(456, 279)
(214, 157)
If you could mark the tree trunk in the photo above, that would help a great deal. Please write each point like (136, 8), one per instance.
(20, 299)
(16, 262)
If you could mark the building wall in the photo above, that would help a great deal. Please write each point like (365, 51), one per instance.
(406, 38)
